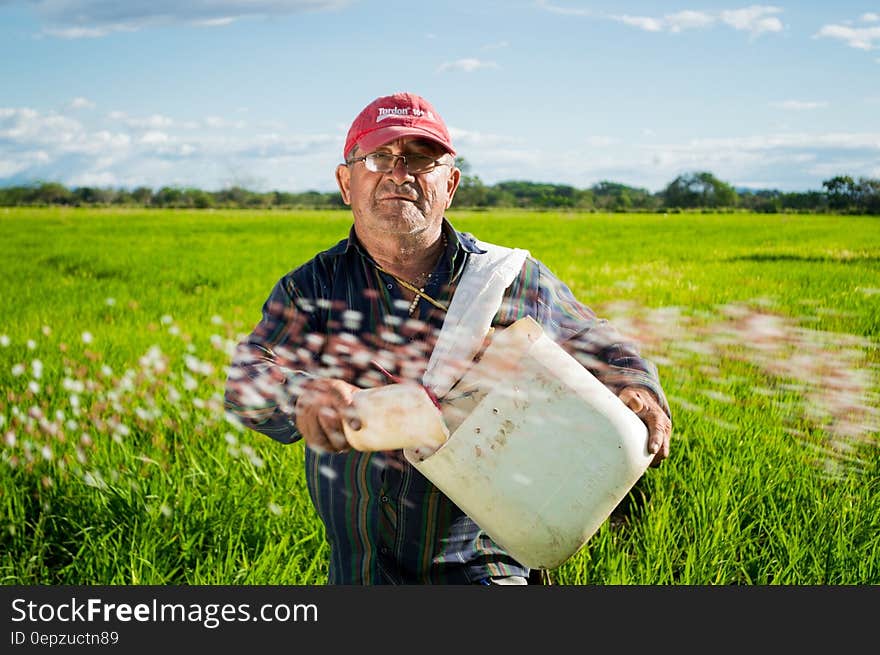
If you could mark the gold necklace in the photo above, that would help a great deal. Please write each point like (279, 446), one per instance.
(419, 291)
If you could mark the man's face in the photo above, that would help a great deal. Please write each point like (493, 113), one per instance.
(398, 202)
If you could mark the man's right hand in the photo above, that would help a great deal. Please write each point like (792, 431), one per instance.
(320, 408)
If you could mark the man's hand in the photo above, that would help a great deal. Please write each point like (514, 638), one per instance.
(320, 408)
(645, 405)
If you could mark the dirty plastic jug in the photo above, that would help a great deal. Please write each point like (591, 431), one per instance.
(528, 443)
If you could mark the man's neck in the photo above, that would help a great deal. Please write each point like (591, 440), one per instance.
(407, 256)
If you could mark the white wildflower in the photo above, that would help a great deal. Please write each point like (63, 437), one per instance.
(87, 337)
(73, 386)
(94, 479)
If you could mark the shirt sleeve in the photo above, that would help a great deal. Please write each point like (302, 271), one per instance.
(271, 363)
(593, 341)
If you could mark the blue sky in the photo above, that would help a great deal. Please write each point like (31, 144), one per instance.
(261, 92)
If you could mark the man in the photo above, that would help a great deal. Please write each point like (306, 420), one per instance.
(368, 311)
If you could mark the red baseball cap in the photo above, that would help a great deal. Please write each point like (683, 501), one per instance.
(395, 116)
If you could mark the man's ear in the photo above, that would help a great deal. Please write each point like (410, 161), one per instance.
(452, 185)
(343, 181)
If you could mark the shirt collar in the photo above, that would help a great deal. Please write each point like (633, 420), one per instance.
(465, 240)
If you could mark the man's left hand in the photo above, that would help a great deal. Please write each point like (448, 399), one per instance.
(645, 405)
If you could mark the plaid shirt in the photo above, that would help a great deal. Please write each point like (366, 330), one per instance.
(337, 315)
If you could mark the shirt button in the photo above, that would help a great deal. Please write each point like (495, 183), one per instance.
(383, 550)
(384, 499)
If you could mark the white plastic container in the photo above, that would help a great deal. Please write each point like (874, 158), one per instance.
(540, 451)
(394, 417)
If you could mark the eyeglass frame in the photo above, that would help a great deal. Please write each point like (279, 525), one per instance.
(435, 162)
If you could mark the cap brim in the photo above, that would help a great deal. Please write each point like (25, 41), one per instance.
(383, 135)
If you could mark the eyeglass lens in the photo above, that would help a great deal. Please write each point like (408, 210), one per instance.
(382, 162)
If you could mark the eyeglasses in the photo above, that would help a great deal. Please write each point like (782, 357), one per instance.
(385, 162)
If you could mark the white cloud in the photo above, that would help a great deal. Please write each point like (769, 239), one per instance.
(642, 22)
(155, 151)
(862, 38)
(215, 22)
(756, 20)
(152, 122)
(216, 122)
(798, 105)
(567, 11)
(104, 140)
(24, 125)
(94, 179)
(280, 147)
(22, 161)
(678, 22)
(466, 65)
(686, 20)
(81, 103)
(75, 19)
(85, 32)
(869, 18)
(154, 137)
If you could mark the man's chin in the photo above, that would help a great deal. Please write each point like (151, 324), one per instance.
(398, 208)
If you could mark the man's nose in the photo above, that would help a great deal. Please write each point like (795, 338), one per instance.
(399, 173)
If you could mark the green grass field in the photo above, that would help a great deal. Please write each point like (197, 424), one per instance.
(118, 465)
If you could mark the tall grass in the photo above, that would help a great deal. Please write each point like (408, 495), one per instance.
(118, 465)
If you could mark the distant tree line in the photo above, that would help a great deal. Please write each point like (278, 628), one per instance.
(691, 191)
(53, 193)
